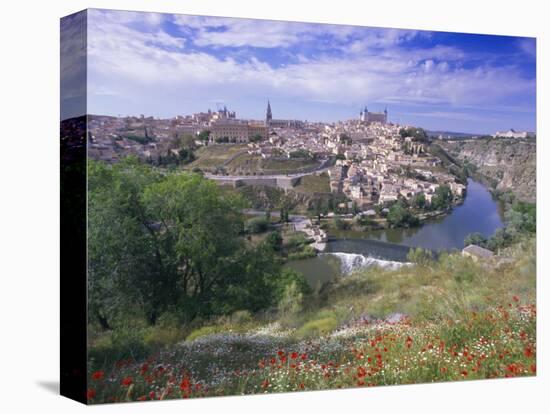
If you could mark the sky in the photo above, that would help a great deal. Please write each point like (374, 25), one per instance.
(164, 65)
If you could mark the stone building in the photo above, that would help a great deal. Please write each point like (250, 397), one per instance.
(369, 117)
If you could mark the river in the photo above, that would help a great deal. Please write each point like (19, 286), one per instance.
(389, 247)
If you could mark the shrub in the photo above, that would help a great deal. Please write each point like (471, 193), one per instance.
(291, 300)
(317, 327)
(241, 317)
(274, 240)
(158, 337)
(420, 256)
(305, 253)
(203, 331)
(296, 241)
(256, 225)
(341, 224)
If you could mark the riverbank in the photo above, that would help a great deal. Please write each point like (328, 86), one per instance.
(446, 230)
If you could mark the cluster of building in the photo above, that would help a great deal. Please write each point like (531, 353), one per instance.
(375, 164)
(512, 133)
(384, 166)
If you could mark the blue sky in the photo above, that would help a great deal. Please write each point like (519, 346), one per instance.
(165, 65)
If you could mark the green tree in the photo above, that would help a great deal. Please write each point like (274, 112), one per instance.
(158, 241)
(274, 240)
(418, 134)
(419, 200)
(341, 224)
(204, 135)
(475, 238)
(256, 225)
(255, 138)
(442, 198)
(399, 215)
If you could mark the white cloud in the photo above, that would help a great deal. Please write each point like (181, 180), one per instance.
(136, 63)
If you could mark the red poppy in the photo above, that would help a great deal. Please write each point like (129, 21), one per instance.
(98, 375)
(533, 368)
(361, 372)
(185, 384)
(304, 357)
(409, 342)
(90, 394)
(513, 368)
(265, 383)
(144, 368)
(294, 355)
(528, 352)
(127, 381)
(152, 395)
(142, 398)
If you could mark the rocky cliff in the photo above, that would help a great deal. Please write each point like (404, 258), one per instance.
(506, 164)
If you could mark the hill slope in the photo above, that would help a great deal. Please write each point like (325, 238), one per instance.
(507, 164)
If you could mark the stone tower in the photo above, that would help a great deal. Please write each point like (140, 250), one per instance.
(268, 115)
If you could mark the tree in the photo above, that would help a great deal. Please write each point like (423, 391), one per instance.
(274, 240)
(475, 238)
(418, 134)
(256, 225)
(345, 139)
(419, 200)
(160, 241)
(442, 198)
(187, 141)
(341, 224)
(204, 135)
(399, 215)
(255, 138)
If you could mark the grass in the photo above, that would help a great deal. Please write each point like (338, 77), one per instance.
(285, 166)
(317, 328)
(497, 342)
(459, 320)
(247, 164)
(312, 184)
(215, 155)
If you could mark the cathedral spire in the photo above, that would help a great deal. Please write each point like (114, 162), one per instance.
(268, 115)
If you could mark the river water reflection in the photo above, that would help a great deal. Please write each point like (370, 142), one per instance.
(352, 250)
(479, 213)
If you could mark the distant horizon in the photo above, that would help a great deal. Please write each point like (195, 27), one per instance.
(307, 120)
(165, 65)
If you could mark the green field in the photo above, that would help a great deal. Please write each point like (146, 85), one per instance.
(286, 165)
(249, 164)
(311, 184)
(216, 155)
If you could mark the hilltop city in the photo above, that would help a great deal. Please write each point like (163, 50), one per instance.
(369, 159)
